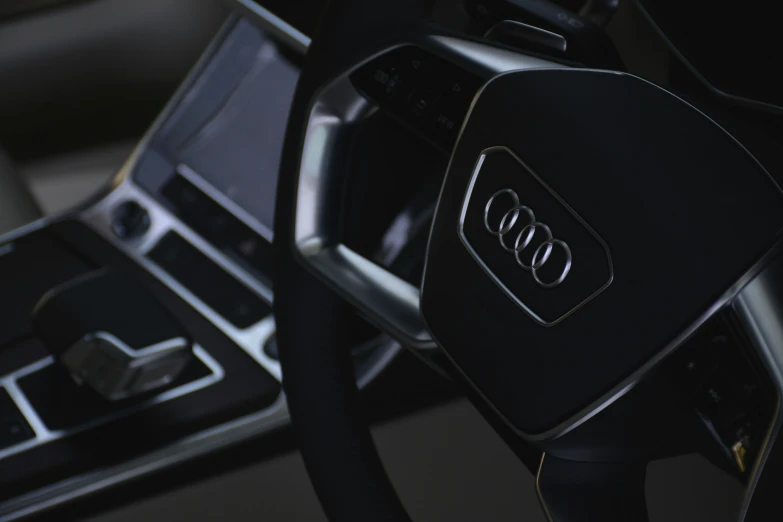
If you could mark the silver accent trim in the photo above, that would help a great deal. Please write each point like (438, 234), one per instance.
(629, 383)
(540, 495)
(386, 299)
(371, 287)
(9, 237)
(44, 435)
(550, 241)
(276, 26)
(493, 60)
(529, 32)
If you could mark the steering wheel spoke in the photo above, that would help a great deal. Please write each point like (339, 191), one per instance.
(337, 111)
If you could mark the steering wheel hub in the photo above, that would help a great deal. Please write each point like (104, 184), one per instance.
(624, 195)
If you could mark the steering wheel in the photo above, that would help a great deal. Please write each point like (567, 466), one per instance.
(594, 233)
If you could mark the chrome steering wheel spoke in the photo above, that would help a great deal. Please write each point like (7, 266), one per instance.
(338, 109)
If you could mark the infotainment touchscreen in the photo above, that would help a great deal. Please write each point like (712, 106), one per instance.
(226, 136)
(238, 150)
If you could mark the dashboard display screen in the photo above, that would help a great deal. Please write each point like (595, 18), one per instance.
(238, 151)
(227, 134)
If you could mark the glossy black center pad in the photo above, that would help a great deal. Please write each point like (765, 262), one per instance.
(661, 212)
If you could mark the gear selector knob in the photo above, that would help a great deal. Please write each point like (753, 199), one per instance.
(111, 334)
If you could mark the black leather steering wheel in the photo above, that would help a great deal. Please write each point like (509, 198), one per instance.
(578, 249)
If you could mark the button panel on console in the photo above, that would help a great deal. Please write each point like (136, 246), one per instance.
(218, 226)
(210, 283)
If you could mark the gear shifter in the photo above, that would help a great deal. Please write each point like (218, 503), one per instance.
(112, 335)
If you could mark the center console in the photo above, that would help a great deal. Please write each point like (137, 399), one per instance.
(137, 330)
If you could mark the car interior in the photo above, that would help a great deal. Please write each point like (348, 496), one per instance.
(390, 261)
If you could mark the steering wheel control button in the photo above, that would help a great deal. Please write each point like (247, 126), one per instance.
(427, 93)
(715, 372)
(538, 251)
(419, 111)
(397, 70)
(447, 125)
(112, 335)
(130, 220)
(380, 79)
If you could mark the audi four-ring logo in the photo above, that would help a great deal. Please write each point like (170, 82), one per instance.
(543, 250)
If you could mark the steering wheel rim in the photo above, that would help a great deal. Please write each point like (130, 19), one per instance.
(336, 445)
(318, 377)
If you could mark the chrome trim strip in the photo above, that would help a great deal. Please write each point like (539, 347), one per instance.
(9, 237)
(277, 27)
(370, 286)
(386, 299)
(493, 60)
(631, 381)
(44, 435)
(540, 495)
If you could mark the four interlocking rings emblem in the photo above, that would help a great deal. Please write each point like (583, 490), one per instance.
(543, 250)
